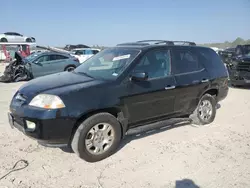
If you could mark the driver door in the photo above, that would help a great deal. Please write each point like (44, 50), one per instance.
(41, 66)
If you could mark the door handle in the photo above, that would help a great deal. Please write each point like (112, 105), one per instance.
(204, 80)
(169, 87)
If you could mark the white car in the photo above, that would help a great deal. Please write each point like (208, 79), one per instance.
(84, 53)
(15, 37)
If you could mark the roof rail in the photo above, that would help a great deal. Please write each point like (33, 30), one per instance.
(133, 44)
(157, 42)
(149, 42)
(185, 43)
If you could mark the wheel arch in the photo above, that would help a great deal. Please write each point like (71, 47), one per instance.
(1, 39)
(115, 111)
(70, 65)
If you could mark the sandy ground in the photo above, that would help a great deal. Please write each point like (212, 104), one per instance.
(215, 156)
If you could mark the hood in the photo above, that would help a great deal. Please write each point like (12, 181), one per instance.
(53, 81)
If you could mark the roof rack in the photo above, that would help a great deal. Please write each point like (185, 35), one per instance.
(155, 42)
(185, 43)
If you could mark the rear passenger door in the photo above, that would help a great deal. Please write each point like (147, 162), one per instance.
(191, 78)
(57, 63)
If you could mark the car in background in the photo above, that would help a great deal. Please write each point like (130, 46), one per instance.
(84, 53)
(15, 37)
(70, 47)
(237, 61)
(45, 63)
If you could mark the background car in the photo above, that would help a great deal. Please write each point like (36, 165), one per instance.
(70, 47)
(45, 63)
(84, 53)
(15, 37)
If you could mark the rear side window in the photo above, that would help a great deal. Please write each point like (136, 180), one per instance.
(209, 58)
(57, 57)
(212, 62)
(88, 52)
(95, 51)
(185, 61)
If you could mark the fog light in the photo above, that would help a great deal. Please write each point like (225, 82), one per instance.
(31, 125)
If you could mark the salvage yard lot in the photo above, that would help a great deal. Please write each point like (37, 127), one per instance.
(214, 156)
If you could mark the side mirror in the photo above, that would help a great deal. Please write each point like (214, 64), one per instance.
(36, 62)
(139, 76)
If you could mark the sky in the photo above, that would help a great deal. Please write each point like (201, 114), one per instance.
(108, 22)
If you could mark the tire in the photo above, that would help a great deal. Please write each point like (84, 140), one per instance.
(69, 68)
(28, 40)
(82, 133)
(4, 40)
(197, 118)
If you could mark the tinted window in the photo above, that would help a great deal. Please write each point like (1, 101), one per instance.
(185, 61)
(95, 51)
(57, 57)
(78, 52)
(212, 62)
(88, 52)
(43, 59)
(156, 63)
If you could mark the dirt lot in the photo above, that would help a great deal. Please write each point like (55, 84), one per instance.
(215, 156)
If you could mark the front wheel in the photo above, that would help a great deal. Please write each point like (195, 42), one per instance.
(205, 111)
(97, 137)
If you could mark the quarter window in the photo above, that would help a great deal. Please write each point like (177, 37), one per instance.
(155, 63)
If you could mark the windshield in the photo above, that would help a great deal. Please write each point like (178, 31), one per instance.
(108, 64)
(31, 57)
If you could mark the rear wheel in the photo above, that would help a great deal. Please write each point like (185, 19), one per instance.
(206, 110)
(70, 68)
(97, 137)
(4, 40)
(28, 40)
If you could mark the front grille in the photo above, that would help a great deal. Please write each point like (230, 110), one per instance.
(243, 67)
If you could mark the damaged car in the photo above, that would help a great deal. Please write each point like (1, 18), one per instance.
(238, 65)
(37, 65)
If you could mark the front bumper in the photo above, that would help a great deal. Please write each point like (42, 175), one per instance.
(53, 127)
(240, 78)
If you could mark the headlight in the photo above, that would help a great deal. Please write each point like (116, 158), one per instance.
(47, 101)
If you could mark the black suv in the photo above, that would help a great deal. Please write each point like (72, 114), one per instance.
(237, 61)
(132, 84)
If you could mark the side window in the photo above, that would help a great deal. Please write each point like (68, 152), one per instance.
(185, 61)
(79, 52)
(43, 59)
(95, 51)
(156, 63)
(210, 58)
(57, 57)
(88, 52)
